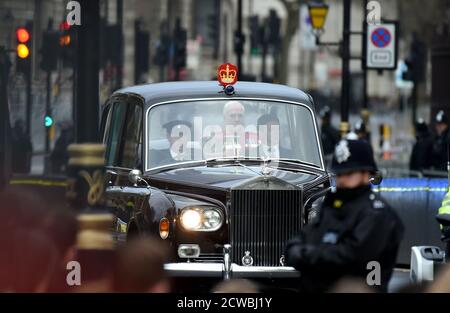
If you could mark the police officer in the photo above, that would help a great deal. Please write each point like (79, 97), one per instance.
(22, 149)
(420, 152)
(439, 151)
(444, 219)
(59, 156)
(354, 227)
(329, 134)
(361, 131)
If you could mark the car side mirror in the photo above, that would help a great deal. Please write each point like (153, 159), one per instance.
(376, 179)
(134, 176)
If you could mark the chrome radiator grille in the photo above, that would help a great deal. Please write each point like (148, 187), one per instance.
(262, 221)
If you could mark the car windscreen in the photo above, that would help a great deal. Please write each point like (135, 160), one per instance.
(202, 129)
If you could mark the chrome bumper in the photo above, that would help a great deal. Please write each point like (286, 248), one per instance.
(227, 269)
(217, 270)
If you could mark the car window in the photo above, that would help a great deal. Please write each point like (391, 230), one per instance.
(132, 138)
(114, 130)
(197, 130)
(106, 123)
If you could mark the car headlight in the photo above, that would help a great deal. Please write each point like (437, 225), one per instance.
(191, 219)
(212, 219)
(201, 218)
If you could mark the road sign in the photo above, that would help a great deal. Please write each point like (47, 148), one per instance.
(381, 46)
(381, 37)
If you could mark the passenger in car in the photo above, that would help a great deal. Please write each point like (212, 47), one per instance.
(178, 134)
(269, 146)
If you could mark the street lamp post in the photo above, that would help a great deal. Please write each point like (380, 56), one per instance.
(239, 37)
(86, 163)
(85, 168)
(5, 128)
(318, 13)
(345, 84)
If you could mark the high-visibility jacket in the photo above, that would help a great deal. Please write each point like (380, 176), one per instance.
(445, 206)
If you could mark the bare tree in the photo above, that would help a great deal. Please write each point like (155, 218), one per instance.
(292, 8)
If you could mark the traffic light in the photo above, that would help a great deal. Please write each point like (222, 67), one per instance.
(274, 30)
(48, 121)
(255, 34)
(113, 43)
(67, 44)
(141, 50)
(213, 26)
(409, 73)
(49, 51)
(102, 43)
(238, 42)
(416, 61)
(110, 44)
(23, 48)
(213, 29)
(180, 41)
(162, 51)
(65, 38)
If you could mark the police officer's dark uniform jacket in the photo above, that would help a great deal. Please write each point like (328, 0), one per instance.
(440, 143)
(420, 158)
(329, 135)
(354, 227)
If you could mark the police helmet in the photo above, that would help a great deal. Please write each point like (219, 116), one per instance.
(421, 126)
(351, 156)
(441, 117)
(360, 127)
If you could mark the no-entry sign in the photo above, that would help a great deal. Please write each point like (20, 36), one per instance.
(381, 46)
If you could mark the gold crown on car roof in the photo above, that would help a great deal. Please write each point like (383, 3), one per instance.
(227, 76)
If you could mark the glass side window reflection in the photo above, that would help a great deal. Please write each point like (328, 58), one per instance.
(130, 152)
(112, 140)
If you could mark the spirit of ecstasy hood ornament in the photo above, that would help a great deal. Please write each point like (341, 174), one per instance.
(265, 170)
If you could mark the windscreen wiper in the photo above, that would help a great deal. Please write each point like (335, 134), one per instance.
(234, 161)
(292, 162)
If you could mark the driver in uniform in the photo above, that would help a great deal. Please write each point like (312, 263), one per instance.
(177, 150)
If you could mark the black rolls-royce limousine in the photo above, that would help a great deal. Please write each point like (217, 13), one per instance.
(225, 175)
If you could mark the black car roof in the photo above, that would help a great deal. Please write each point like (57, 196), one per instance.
(167, 91)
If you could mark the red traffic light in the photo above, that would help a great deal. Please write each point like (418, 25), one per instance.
(64, 26)
(22, 35)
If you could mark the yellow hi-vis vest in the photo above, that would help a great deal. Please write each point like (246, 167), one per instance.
(445, 206)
